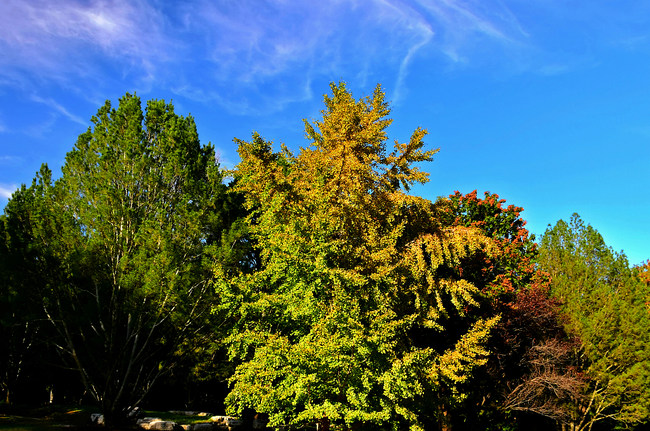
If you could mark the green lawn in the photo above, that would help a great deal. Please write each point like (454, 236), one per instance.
(47, 418)
(59, 418)
(21, 423)
(179, 419)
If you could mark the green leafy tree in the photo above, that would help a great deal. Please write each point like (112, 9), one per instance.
(351, 268)
(605, 307)
(28, 262)
(199, 378)
(129, 233)
(18, 324)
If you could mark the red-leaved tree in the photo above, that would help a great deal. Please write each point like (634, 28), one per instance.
(532, 367)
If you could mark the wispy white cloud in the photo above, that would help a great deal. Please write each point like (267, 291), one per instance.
(42, 128)
(60, 109)
(61, 39)
(6, 190)
(259, 47)
(224, 161)
(250, 55)
(463, 26)
(252, 43)
(9, 159)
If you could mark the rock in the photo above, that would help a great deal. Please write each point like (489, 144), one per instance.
(163, 426)
(157, 424)
(216, 423)
(202, 427)
(226, 422)
(147, 420)
(97, 418)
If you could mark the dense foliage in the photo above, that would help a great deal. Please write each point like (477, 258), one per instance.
(512, 288)
(605, 305)
(118, 247)
(314, 283)
(352, 266)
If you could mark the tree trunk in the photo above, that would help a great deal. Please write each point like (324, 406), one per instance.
(323, 425)
(444, 422)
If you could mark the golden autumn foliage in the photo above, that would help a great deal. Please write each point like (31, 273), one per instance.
(343, 301)
(351, 266)
(643, 272)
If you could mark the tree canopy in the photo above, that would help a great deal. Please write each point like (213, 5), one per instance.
(127, 235)
(351, 265)
(312, 282)
(606, 309)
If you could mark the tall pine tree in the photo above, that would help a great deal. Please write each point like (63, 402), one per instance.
(123, 245)
(606, 310)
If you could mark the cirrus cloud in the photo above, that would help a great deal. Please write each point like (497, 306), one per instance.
(221, 51)
(6, 190)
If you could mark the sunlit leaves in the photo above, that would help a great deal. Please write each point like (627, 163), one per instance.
(136, 205)
(512, 267)
(469, 352)
(605, 306)
(351, 265)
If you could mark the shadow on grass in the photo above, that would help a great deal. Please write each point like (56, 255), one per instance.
(49, 418)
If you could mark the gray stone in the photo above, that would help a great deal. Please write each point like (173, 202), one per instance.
(202, 427)
(226, 422)
(150, 423)
(162, 425)
(97, 418)
(147, 420)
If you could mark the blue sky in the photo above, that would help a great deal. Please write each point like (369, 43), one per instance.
(545, 102)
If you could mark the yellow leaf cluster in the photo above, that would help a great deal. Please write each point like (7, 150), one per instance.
(352, 265)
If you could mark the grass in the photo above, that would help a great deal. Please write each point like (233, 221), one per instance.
(42, 419)
(60, 418)
(179, 419)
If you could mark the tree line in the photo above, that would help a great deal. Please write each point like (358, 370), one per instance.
(309, 287)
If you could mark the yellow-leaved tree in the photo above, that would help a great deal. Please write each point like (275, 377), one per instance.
(352, 268)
